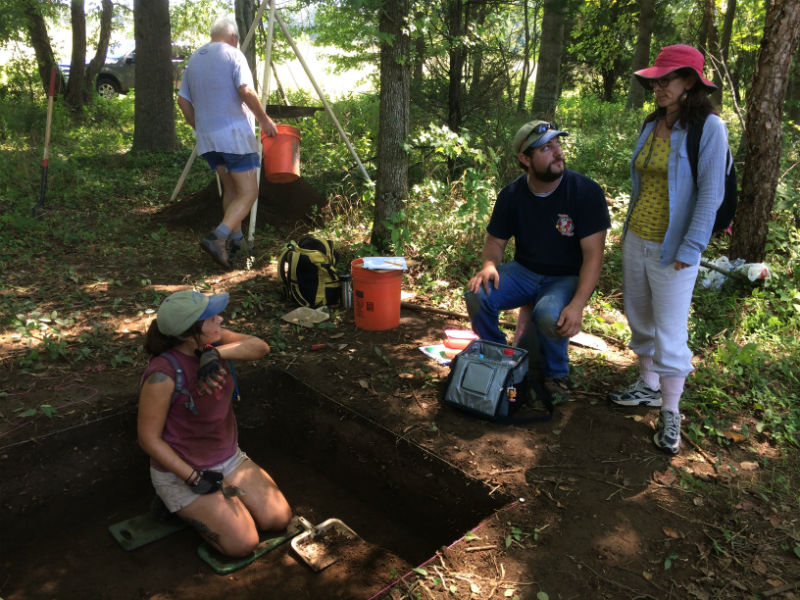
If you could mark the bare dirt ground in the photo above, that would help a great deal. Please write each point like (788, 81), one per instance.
(579, 507)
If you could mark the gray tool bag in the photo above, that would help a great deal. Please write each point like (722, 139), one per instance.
(490, 380)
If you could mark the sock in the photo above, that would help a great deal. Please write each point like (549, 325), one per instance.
(646, 372)
(671, 390)
(222, 231)
(237, 235)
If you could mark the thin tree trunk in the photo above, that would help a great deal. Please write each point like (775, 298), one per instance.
(40, 40)
(391, 189)
(99, 59)
(546, 89)
(793, 93)
(711, 44)
(763, 132)
(455, 92)
(77, 68)
(725, 44)
(526, 58)
(245, 13)
(641, 55)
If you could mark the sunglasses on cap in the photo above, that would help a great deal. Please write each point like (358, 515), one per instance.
(542, 127)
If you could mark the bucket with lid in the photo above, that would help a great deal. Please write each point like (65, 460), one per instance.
(376, 297)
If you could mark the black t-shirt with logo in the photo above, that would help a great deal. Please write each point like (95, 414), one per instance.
(547, 230)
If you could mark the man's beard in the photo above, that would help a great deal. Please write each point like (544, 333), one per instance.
(548, 175)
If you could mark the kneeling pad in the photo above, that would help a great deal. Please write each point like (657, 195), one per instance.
(227, 564)
(138, 531)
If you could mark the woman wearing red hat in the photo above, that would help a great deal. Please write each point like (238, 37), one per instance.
(187, 426)
(669, 222)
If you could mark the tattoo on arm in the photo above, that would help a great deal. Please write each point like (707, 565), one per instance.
(157, 377)
(203, 530)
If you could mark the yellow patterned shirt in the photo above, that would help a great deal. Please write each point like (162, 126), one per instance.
(650, 216)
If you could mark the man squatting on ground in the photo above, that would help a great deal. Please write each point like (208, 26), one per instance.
(215, 95)
(558, 219)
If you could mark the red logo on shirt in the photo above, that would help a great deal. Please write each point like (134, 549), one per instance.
(565, 225)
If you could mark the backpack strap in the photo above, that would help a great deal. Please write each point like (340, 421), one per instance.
(693, 147)
(179, 381)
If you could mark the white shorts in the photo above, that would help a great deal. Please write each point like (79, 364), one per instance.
(174, 491)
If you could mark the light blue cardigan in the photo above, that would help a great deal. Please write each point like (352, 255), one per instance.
(692, 209)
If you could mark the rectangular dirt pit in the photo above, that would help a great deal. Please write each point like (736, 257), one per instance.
(60, 494)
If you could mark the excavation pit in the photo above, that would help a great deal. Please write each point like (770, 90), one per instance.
(60, 494)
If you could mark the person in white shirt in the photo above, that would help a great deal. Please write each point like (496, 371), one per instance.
(217, 99)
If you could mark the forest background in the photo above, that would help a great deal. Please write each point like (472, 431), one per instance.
(455, 79)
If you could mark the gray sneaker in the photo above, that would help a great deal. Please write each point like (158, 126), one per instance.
(637, 394)
(217, 248)
(668, 431)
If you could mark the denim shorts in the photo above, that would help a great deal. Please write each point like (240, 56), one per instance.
(234, 163)
(174, 491)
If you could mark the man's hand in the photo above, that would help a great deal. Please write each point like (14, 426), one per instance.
(207, 482)
(570, 320)
(210, 373)
(485, 276)
(268, 127)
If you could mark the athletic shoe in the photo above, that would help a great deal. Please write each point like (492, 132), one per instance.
(217, 248)
(668, 432)
(559, 387)
(637, 395)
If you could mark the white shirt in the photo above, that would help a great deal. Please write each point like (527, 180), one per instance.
(211, 82)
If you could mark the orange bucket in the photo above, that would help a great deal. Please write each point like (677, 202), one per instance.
(376, 297)
(282, 154)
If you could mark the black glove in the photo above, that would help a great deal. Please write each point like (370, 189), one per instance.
(207, 482)
(210, 373)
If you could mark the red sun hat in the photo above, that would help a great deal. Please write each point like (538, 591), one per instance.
(672, 58)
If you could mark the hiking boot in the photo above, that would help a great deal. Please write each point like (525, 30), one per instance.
(559, 388)
(668, 432)
(637, 394)
(235, 247)
(217, 248)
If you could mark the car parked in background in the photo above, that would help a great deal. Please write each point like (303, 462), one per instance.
(118, 75)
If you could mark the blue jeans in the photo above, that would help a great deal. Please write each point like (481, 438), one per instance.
(519, 286)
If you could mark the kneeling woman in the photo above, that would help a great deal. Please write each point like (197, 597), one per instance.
(191, 436)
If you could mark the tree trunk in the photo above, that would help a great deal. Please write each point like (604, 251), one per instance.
(419, 57)
(245, 13)
(641, 55)
(763, 130)
(99, 59)
(391, 189)
(457, 55)
(546, 88)
(711, 44)
(475, 86)
(74, 96)
(792, 107)
(526, 57)
(154, 121)
(725, 44)
(40, 40)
